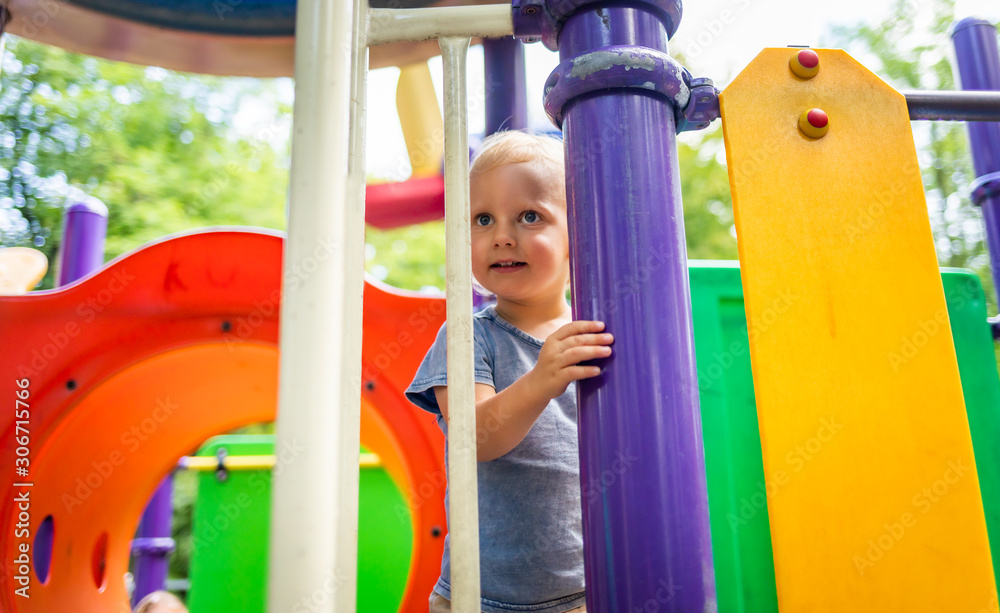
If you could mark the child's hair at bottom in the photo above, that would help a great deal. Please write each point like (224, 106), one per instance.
(160, 602)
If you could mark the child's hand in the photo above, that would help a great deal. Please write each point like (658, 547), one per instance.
(563, 350)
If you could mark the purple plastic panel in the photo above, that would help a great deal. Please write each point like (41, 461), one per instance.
(979, 66)
(647, 543)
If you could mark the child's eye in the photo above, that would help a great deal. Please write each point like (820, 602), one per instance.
(530, 217)
(483, 220)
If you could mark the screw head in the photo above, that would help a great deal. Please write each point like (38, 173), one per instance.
(804, 63)
(814, 123)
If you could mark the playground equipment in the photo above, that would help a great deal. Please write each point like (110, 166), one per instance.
(618, 98)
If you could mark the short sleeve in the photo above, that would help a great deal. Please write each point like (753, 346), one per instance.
(433, 371)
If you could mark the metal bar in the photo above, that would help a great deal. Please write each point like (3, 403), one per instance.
(353, 316)
(953, 105)
(311, 499)
(463, 497)
(256, 462)
(646, 532)
(151, 562)
(400, 25)
(506, 98)
(978, 58)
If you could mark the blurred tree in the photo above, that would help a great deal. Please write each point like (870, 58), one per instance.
(912, 49)
(156, 146)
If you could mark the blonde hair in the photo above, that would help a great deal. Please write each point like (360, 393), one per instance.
(160, 602)
(516, 147)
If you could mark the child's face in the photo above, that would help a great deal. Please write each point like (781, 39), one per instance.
(519, 219)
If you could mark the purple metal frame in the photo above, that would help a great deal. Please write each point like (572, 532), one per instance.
(84, 231)
(979, 66)
(647, 544)
(153, 546)
(506, 98)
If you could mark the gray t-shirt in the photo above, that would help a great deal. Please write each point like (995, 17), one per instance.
(530, 518)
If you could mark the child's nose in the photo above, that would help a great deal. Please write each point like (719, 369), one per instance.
(504, 236)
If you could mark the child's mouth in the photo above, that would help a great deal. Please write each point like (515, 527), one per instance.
(508, 266)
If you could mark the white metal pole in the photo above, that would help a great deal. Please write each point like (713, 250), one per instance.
(463, 496)
(398, 25)
(311, 507)
(354, 273)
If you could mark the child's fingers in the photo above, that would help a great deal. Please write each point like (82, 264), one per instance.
(575, 355)
(577, 327)
(591, 339)
(583, 372)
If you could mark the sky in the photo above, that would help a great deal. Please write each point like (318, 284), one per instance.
(717, 38)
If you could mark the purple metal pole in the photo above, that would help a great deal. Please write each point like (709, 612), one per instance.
(506, 99)
(82, 249)
(618, 96)
(979, 66)
(153, 546)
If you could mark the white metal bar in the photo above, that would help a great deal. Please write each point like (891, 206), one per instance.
(353, 323)
(463, 497)
(311, 510)
(398, 25)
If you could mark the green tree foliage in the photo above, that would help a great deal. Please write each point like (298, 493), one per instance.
(155, 146)
(912, 49)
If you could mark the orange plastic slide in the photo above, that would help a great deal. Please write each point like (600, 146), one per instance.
(119, 374)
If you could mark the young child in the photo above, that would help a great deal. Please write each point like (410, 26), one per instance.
(530, 528)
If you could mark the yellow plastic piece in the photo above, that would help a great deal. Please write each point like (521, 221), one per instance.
(257, 462)
(420, 118)
(873, 495)
(21, 268)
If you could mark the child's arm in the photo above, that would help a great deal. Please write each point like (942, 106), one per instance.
(504, 419)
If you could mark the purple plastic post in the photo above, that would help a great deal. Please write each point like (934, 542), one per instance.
(153, 545)
(647, 543)
(979, 66)
(82, 249)
(506, 100)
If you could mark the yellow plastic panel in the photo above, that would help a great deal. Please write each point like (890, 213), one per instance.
(872, 490)
(420, 118)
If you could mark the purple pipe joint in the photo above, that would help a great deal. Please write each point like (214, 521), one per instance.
(695, 100)
(541, 20)
(985, 187)
(156, 546)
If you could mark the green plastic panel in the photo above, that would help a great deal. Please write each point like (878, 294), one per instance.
(741, 538)
(230, 536)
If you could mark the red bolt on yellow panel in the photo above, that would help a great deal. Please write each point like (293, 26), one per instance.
(814, 123)
(859, 401)
(804, 63)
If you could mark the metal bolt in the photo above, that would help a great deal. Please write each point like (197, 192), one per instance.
(227, 326)
(436, 531)
(71, 385)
